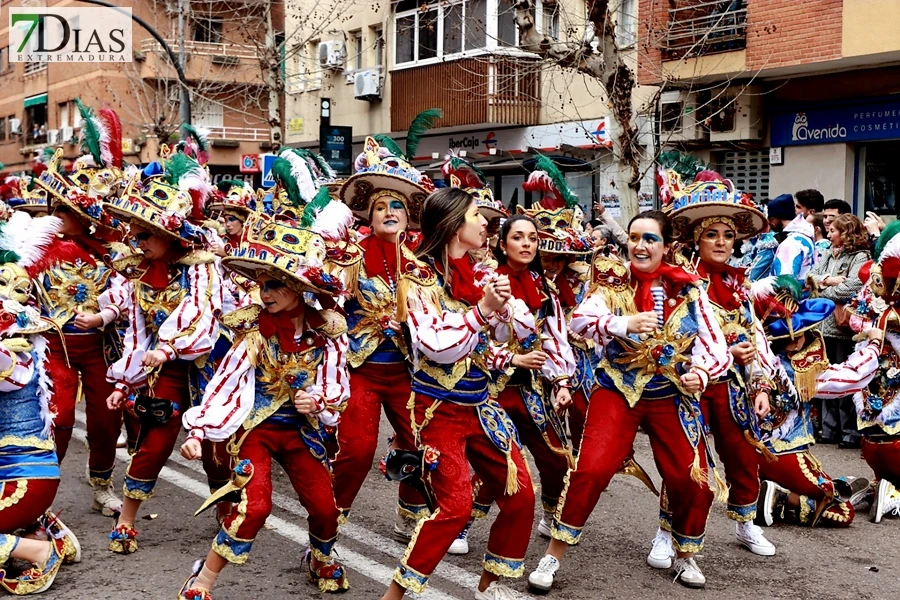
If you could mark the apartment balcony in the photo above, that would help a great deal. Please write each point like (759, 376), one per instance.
(223, 62)
(240, 134)
(486, 90)
(700, 27)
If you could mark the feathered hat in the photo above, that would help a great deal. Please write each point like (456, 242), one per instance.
(708, 200)
(783, 305)
(191, 177)
(884, 272)
(548, 180)
(232, 196)
(195, 143)
(302, 253)
(383, 170)
(463, 174)
(299, 174)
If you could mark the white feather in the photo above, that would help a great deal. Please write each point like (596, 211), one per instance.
(45, 385)
(302, 175)
(763, 288)
(29, 237)
(891, 249)
(334, 221)
(105, 152)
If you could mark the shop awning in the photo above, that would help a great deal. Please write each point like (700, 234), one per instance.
(36, 100)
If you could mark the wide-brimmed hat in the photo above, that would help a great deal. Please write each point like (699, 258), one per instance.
(708, 200)
(809, 314)
(237, 197)
(83, 192)
(784, 306)
(157, 205)
(285, 251)
(33, 201)
(381, 173)
(461, 173)
(558, 231)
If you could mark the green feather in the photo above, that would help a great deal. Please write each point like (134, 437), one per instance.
(461, 164)
(789, 284)
(177, 166)
(318, 203)
(892, 229)
(89, 130)
(225, 185)
(559, 180)
(686, 165)
(8, 256)
(386, 142)
(283, 176)
(202, 142)
(423, 122)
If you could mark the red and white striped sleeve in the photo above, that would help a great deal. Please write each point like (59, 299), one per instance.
(190, 331)
(115, 299)
(127, 372)
(561, 364)
(593, 320)
(850, 376)
(443, 336)
(710, 356)
(227, 400)
(332, 386)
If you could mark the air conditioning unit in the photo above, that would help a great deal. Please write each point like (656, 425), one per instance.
(67, 133)
(15, 126)
(331, 55)
(52, 136)
(678, 118)
(367, 85)
(736, 115)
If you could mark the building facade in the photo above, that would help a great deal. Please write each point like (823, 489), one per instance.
(385, 61)
(812, 85)
(223, 45)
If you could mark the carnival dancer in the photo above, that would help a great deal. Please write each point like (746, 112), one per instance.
(462, 173)
(29, 471)
(235, 201)
(388, 194)
(452, 309)
(795, 487)
(664, 356)
(712, 217)
(280, 391)
(171, 301)
(78, 292)
(878, 406)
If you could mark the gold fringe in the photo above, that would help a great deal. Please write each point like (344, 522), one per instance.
(512, 475)
(721, 490)
(351, 278)
(805, 381)
(760, 447)
(403, 288)
(620, 303)
(697, 474)
(534, 484)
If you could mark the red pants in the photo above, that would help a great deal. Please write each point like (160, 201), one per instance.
(577, 414)
(86, 358)
(738, 456)
(159, 441)
(802, 474)
(884, 458)
(372, 386)
(609, 433)
(455, 431)
(28, 499)
(552, 466)
(308, 475)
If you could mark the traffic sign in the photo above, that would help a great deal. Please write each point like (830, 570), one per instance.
(267, 161)
(249, 163)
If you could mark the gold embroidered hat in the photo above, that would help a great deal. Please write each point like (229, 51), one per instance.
(464, 174)
(558, 231)
(157, 205)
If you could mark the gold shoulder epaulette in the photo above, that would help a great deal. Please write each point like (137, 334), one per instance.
(335, 325)
(197, 257)
(243, 320)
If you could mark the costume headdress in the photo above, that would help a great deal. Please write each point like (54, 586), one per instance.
(464, 174)
(233, 196)
(190, 176)
(708, 200)
(551, 182)
(383, 170)
(783, 305)
(195, 143)
(884, 274)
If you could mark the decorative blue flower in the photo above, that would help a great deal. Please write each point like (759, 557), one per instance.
(389, 333)
(298, 381)
(742, 338)
(668, 351)
(80, 293)
(482, 346)
(875, 403)
(663, 360)
(243, 467)
(22, 319)
(528, 343)
(94, 211)
(159, 317)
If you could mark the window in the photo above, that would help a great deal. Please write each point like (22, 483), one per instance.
(626, 23)
(63, 120)
(208, 29)
(207, 113)
(2, 129)
(378, 37)
(311, 72)
(439, 30)
(507, 32)
(356, 51)
(36, 124)
(550, 19)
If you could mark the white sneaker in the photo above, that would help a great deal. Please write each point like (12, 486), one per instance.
(460, 545)
(688, 574)
(106, 502)
(404, 527)
(751, 537)
(544, 527)
(541, 579)
(122, 440)
(495, 591)
(887, 501)
(662, 552)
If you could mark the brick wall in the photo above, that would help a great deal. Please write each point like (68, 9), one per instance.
(653, 19)
(781, 34)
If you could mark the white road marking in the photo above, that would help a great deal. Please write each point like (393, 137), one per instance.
(356, 561)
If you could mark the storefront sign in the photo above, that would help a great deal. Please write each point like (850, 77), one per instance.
(249, 163)
(295, 126)
(860, 122)
(336, 145)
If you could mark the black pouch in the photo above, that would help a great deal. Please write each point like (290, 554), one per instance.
(408, 466)
(151, 412)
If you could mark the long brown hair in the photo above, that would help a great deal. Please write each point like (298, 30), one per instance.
(852, 233)
(443, 214)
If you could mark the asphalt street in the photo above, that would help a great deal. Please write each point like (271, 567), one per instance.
(862, 562)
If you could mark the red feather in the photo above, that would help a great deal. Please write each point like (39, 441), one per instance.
(114, 126)
(539, 181)
(59, 251)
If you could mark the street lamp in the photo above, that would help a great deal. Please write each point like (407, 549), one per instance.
(185, 108)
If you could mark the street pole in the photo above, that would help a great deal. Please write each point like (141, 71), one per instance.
(185, 109)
